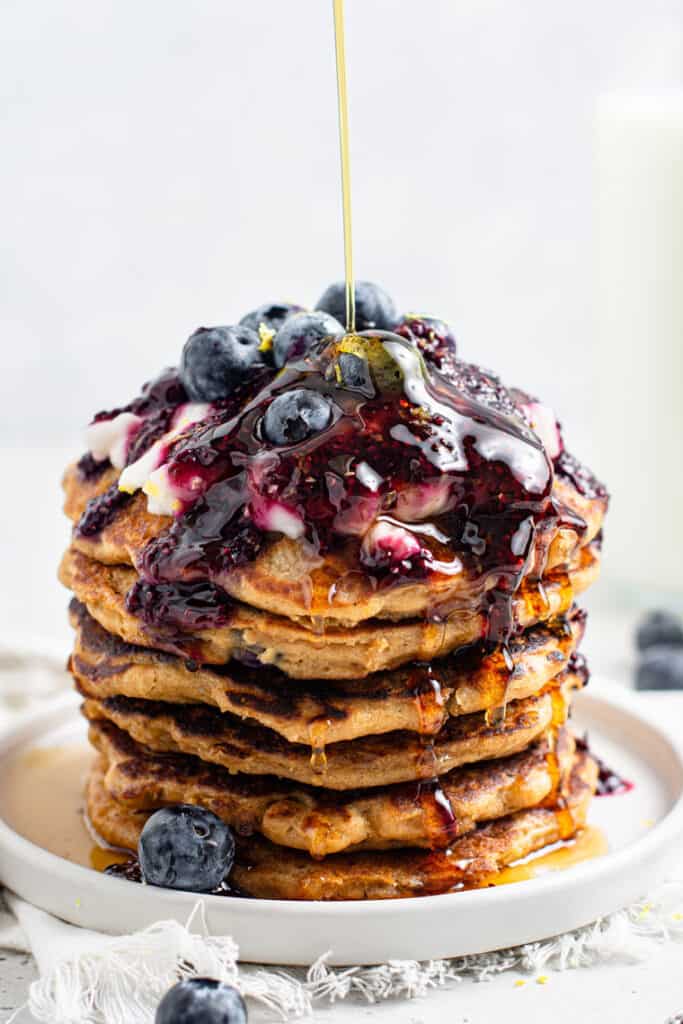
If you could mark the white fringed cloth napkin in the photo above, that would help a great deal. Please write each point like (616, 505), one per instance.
(90, 978)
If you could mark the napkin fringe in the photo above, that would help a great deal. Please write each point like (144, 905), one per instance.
(122, 981)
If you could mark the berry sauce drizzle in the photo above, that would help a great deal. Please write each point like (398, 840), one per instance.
(90, 468)
(418, 475)
(610, 783)
(100, 511)
(130, 871)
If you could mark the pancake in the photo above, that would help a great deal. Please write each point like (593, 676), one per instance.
(417, 698)
(265, 870)
(427, 815)
(365, 762)
(244, 633)
(288, 578)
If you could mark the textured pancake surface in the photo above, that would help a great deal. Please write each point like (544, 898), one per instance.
(302, 653)
(417, 698)
(417, 814)
(288, 578)
(368, 761)
(269, 871)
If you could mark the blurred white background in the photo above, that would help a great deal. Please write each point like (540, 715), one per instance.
(167, 164)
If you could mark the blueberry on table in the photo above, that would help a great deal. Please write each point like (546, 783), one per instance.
(201, 1001)
(216, 360)
(660, 668)
(300, 333)
(296, 415)
(374, 307)
(657, 628)
(185, 847)
(272, 315)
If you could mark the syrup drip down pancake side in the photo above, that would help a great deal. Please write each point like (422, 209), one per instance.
(268, 871)
(288, 578)
(426, 814)
(246, 634)
(418, 698)
(365, 762)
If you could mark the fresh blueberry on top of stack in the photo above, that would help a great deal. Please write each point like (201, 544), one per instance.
(299, 334)
(269, 317)
(216, 359)
(296, 415)
(375, 308)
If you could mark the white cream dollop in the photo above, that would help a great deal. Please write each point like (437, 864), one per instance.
(111, 439)
(150, 474)
(422, 501)
(368, 476)
(276, 517)
(387, 541)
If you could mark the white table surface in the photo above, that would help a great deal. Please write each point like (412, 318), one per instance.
(32, 615)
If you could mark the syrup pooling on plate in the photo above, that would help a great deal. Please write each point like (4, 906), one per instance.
(412, 476)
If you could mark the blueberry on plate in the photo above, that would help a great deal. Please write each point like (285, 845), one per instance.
(300, 333)
(185, 847)
(272, 315)
(296, 415)
(201, 1001)
(216, 360)
(374, 307)
(660, 668)
(657, 628)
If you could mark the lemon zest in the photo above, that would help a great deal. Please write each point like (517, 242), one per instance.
(266, 334)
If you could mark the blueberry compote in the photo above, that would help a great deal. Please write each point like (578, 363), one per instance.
(433, 337)
(414, 474)
(157, 406)
(420, 469)
(610, 782)
(130, 871)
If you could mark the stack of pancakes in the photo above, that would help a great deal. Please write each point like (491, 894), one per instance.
(363, 742)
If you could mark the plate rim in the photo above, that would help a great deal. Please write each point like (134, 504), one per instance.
(57, 712)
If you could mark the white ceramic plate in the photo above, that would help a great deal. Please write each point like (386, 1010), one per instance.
(642, 827)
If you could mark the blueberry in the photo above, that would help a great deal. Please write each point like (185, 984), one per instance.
(300, 333)
(295, 415)
(216, 359)
(659, 628)
(354, 372)
(201, 1001)
(660, 668)
(272, 315)
(374, 308)
(186, 847)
